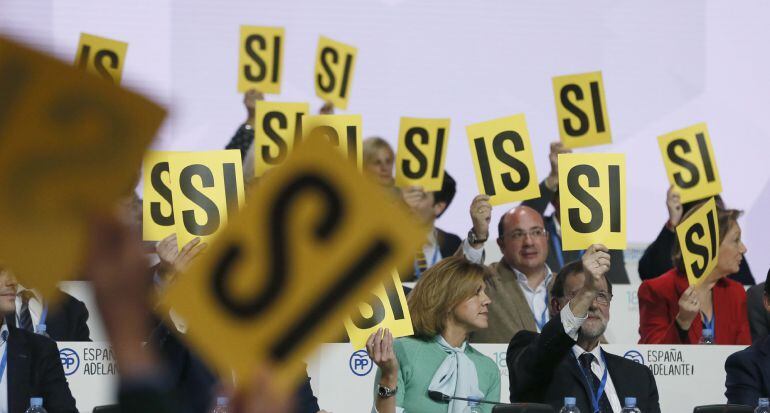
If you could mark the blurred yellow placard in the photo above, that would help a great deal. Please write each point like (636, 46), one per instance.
(690, 164)
(503, 159)
(699, 241)
(592, 194)
(421, 153)
(581, 110)
(157, 205)
(334, 66)
(277, 128)
(101, 56)
(384, 308)
(260, 59)
(207, 187)
(295, 262)
(344, 131)
(70, 147)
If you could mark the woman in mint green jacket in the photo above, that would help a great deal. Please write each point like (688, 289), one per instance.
(446, 305)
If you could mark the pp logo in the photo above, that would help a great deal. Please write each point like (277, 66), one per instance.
(360, 363)
(634, 356)
(69, 360)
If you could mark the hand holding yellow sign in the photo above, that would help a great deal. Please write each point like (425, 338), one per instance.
(698, 237)
(207, 187)
(581, 110)
(592, 196)
(70, 146)
(277, 129)
(503, 160)
(386, 307)
(343, 131)
(157, 205)
(334, 71)
(260, 59)
(690, 163)
(292, 265)
(101, 56)
(421, 153)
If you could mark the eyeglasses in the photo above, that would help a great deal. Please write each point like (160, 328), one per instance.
(533, 233)
(602, 297)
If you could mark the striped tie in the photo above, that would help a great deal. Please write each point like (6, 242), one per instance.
(25, 317)
(421, 262)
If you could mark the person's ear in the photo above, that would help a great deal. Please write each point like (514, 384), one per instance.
(438, 208)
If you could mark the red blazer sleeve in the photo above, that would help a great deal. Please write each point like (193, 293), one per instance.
(656, 325)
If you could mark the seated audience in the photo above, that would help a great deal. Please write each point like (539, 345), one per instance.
(549, 194)
(566, 359)
(446, 305)
(67, 320)
(672, 312)
(748, 371)
(31, 365)
(759, 318)
(657, 257)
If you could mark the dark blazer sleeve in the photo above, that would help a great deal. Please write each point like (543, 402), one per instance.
(51, 382)
(757, 313)
(448, 243)
(306, 401)
(532, 358)
(657, 257)
(742, 381)
(617, 273)
(540, 204)
(653, 399)
(80, 322)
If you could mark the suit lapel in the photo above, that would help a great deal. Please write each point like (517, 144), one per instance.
(618, 383)
(523, 312)
(574, 368)
(18, 371)
(765, 363)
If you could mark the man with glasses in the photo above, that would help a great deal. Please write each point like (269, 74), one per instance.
(566, 359)
(519, 285)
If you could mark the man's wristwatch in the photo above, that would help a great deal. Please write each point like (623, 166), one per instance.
(473, 239)
(386, 392)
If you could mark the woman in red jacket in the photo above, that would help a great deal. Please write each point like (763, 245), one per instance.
(672, 312)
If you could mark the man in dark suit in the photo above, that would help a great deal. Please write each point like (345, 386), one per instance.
(549, 194)
(66, 321)
(33, 365)
(759, 318)
(566, 358)
(748, 371)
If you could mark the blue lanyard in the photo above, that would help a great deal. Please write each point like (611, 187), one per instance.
(595, 397)
(543, 317)
(4, 362)
(417, 272)
(708, 324)
(44, 315)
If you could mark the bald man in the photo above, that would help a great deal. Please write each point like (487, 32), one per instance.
(519, 285)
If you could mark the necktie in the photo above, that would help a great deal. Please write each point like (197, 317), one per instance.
(585, 363)
(420, 261)
(25, 317)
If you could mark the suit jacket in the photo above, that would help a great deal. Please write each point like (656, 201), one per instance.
(659, 305)
(617, 273)
(542, 370)
(35, 370)
(509, 311)
(656, 259)
(448, 244)
(67, 321)
(759, 319)
(748, 374)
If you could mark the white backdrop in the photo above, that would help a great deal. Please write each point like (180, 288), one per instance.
(666, 65)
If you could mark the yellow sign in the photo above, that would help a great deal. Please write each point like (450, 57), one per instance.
(334, 71)
(421, 153)
(260, 59)
(206, 188)
(101, 56)
(157, 207)
(344, 131)
(690, 164)
(581, 110)
(384, 308)
(503, 159)
(277, 128)
(70, 146)
(699, 241)
(293, 264)
(592, 194)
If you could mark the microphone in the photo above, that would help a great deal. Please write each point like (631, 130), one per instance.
(437, 396)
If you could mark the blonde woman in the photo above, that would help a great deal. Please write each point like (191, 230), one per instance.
(447, 304)
(378, 160)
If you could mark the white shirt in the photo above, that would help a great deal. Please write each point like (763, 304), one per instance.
(537, 298)
(572, 325)
(35, 307)
(4, 378)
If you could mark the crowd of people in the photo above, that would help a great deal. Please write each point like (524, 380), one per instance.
(550, 306)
